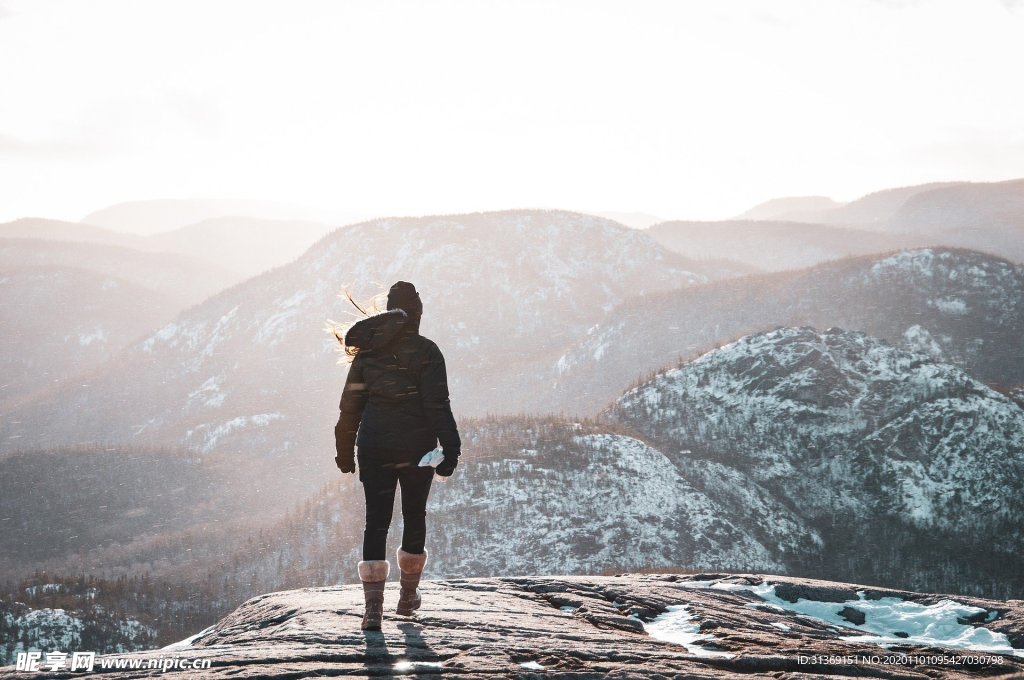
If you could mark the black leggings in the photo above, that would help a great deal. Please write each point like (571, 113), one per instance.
(379, 483)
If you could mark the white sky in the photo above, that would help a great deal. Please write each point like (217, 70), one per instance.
(680, 109)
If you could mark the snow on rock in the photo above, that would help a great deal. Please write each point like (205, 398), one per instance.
(97, 335)
(61, 630)
(678, 625)
(894, 620)
(205, 437)
(208, 395)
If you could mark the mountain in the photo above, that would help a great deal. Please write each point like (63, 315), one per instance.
(569, 497)
(636, 220)
(112, 511)
(872, 211)
(825, 454)
(838, 424)
(57, 230)
(162, 215)
(252, 371)
(964, 307)
(985, 216)
(875, 210)
(69, 307)
(773, 246)
(789, 208)
(745, 458)
(182, 279)
(786, 450)
(60, 321)
(242, 244)
(625, 626)
(998, 205)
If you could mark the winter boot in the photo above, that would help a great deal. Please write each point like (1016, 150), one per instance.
(373, 574)
(411, 566)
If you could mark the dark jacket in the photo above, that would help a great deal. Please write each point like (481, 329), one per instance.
(396, 393)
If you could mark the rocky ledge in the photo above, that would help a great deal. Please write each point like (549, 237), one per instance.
(627, 626)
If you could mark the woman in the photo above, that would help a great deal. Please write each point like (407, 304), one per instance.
(396, 398)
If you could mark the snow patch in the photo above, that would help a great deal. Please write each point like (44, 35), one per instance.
(86, 339)
(952, 306)
(413, 665)
(187, 642)
(211, 434)
(208, 393)
(678, 627)
(919, 339)
(922, 624)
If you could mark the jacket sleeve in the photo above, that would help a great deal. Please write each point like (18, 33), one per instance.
(353, 400)
(436, 404)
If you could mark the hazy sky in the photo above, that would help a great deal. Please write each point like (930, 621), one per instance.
(681, 109)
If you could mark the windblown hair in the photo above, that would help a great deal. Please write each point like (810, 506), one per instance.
(373, 305)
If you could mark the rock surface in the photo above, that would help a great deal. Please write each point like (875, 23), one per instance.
(585, 626)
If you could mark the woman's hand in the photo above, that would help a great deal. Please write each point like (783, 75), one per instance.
(346, 462)
(447, 466)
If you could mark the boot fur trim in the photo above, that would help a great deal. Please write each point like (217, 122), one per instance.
(374, 570)
(411, 563)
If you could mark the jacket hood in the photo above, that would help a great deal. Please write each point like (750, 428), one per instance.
(379, 330)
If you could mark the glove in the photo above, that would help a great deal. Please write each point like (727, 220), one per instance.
(346, 461)
(447, 466)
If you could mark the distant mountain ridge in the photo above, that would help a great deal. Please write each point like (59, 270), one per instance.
(871, 211)
(61, 320)
(186, 280)
(985, 216)
(244, 246)
(963, 307)
(58, 230)
(789, 208)
(773, 245)
(162, 215)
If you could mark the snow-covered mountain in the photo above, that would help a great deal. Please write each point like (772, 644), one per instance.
(856, 436)
(531, 495)
(960, 306)
(821, 453)
(833, 419)
(792, 449)
(252, 371)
